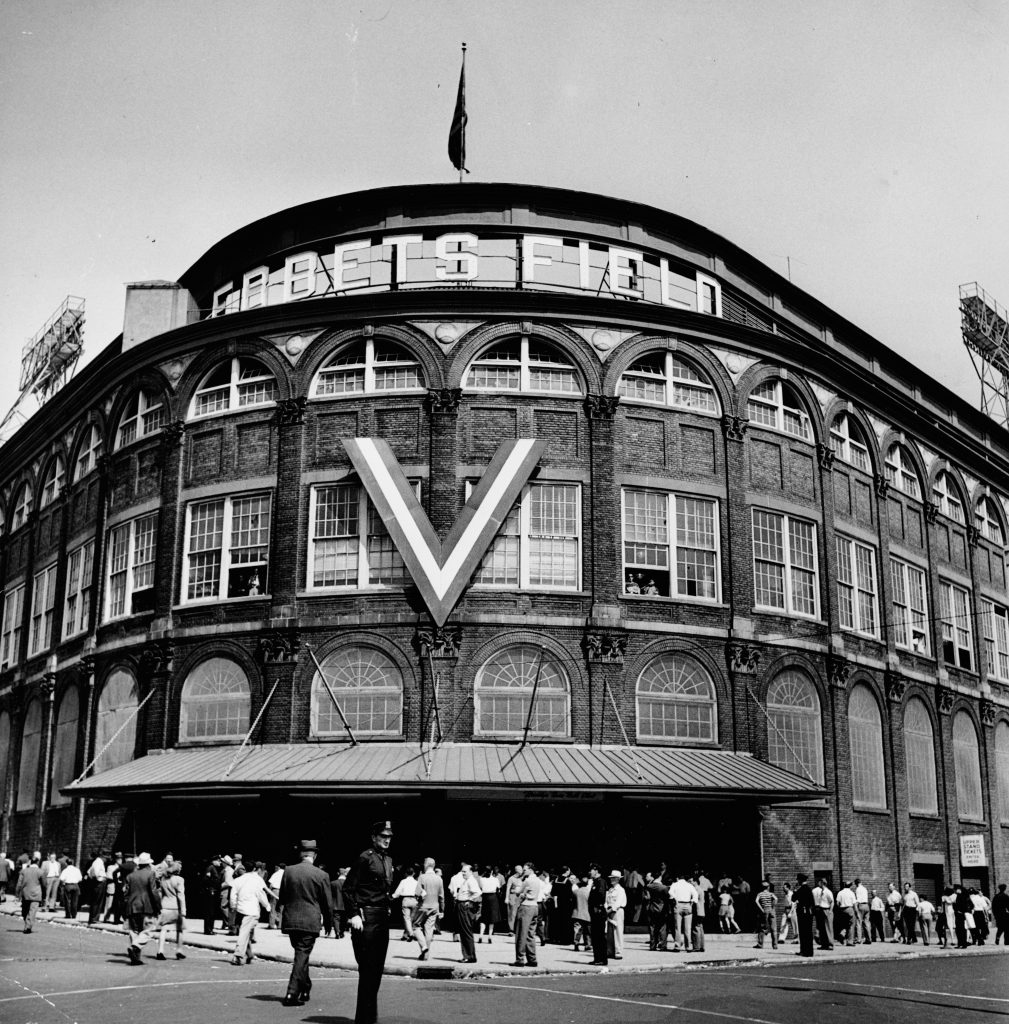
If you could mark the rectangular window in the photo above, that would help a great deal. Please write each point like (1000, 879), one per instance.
(995, 627)
(539, 544)
(856, 587)
(910, 617)
(132, 548)
(10, 645)
(784, 563)
(78, 588)
(348, 543)
(954, 614)
(43, 600)
(227, 548)
(670, 545)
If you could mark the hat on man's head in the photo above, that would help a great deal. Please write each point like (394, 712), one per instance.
(227, 860)
(800, 877)
(381, 827)
(616, 874)
(143, 858)
(306, 845)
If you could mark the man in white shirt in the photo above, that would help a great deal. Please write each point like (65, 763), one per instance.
(51, 871)
(682, 899)
(274, 886)
(546, 903)
(893, 908)
(909, 913)
(70, 878)
(926, 914)
(96, 886)
(249, 895)
(525, 917)
(845, 909)
(513, 898)
(862, 930)
(824, 911)
(877, 912)
(616, 901)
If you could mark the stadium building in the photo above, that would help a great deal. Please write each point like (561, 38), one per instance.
(546, 524)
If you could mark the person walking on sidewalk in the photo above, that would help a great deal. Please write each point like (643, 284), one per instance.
(70, 879)
(143, 905)
(367, 894)
(307, 900)
(467, 904)
(96, 888)
(212, 876)
(528, 895)
(766, 903)
(805, 904)
(877, 909)
(29, 891)
(432, 907)
(173, 910)
(249, 895)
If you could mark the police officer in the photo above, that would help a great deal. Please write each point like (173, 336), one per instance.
(367, 894)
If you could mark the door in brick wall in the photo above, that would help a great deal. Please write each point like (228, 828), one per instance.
(928, 882)
(975, 878)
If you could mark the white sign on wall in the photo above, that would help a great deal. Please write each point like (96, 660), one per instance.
(972, 852)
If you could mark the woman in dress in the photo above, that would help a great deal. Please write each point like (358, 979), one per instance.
(173, 910)
(945, 924)
(490, 904)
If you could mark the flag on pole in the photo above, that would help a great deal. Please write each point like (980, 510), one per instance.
(457, 133)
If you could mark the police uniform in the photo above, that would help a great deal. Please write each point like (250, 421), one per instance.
(367, 893)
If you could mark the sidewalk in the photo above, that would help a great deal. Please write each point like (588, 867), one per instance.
(495, 958)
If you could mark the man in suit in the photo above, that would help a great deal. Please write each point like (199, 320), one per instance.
(143, 904)
(805, 905)
(29, 891)
(307, 899)
(367, 894)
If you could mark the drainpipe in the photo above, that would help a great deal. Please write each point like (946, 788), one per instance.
(49, 689)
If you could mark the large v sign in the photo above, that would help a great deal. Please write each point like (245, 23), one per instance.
(442, 570)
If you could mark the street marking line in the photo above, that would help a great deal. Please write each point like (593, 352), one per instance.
(861, 984)
(620, 999)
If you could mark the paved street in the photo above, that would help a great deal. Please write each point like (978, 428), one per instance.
(61, 974)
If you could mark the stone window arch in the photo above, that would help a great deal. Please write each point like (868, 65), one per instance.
(504, 689)
(848, 442)
(88, 454)
(661, 377)
(988, 521)
(369, 688)
(216, 702)
(900, 472)
(947, 497)
(865, 735)
(775, 403)
(676, 700)
(31, 745)
(1001, 768)
(117, 705)
(23, 503)
(237, 383)
(65, 744)
(967, 766)
(795, 728)
(5, 756)
(523, 363)
(54, 482)
(366, 366)
(143, 415)
(919, 750)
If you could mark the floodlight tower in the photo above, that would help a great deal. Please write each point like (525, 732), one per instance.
(48, 361)
(985, 328)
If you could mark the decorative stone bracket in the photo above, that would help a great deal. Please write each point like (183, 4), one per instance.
(944, 698)
(742, 657)
(931, 511)
(605, 645)
(279, 647)
(837, 671)
(881, 485)
(443, 401)
(734, 428)
(157, 657)
(825, 456)
(896, 686)
(601, 407)
(438, 641)
(988, 711)
(973, 535)
(291, 411)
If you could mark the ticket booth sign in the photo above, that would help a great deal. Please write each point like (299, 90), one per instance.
(972, 852)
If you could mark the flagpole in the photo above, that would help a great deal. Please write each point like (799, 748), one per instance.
(464, 122)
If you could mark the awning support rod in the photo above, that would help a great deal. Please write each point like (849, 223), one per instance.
(436, 716)
(252, 729)
(532, 700)
(114, 736)
(336, 703)
(620, 722)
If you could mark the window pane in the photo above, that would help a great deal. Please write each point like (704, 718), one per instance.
(866, 739)
(676, 700)
(794, 737)
(919, 746)
(115, 708)
(369, 689)
(504, 689)
(215, 701)
(967, 765)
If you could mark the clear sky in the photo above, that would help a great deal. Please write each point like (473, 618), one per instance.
(868, 140)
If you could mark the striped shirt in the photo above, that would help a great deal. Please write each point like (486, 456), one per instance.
(766, 900)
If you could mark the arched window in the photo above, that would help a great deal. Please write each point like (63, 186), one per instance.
(31, 742)
(504, 689)
(523, 364)
(944, 494)
(22, 507)
(988, 522)
(369, 688)
(234, 384)
(665, 379)
(900, 472)
(65, 744)
(90, 451)
(848, 444)
(55, 478)
(370, 364)
(919, 748)
(676, 700)
(5, 756)
(776, 404)
(1001, 766)
(795, 732)
(967, 765)
(144, 415)
(215, 702)
(116, 707)
(865, 732)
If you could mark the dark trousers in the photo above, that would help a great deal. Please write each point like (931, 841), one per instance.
(657, 929)
(805, 934)
(302, 943)
(909, 917)
(29, 909)
(876, 921)
(96, 901)
(960, 925)
(598, 932)
(211, 912)
(467, 914)
(370, 947)
(525, 934)
(72, 899)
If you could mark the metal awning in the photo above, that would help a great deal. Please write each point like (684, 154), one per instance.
(336, 769)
